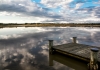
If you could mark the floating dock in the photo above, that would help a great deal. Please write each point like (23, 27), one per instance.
(90, 54)
(79, 51)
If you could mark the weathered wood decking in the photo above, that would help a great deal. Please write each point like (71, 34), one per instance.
(80, 51)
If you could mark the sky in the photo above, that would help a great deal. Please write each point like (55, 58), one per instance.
(49, 11)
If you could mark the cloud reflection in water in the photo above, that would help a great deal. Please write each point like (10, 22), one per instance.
(30, 51)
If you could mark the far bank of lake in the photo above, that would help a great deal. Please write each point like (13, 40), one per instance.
(50, 25)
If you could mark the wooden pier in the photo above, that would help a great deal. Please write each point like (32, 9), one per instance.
(90, 54)
(79, 51)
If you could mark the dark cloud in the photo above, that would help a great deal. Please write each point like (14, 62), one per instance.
(97, 12)
(39, 12)
(44, 13)
(88, 9)
(12, 8)
(91, 10)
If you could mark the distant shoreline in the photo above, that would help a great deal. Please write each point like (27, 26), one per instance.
(50, 25)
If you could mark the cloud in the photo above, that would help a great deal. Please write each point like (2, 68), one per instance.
(78, 5)
(93, 14)
(28, 9)
(96, 12)
(54, 4)
(18, 6)
(46, 11)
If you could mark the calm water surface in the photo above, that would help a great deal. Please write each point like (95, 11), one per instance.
(27, 48)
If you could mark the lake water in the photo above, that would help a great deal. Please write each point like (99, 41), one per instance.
(27, 48)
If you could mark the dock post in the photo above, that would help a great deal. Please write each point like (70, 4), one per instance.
(50, 46)
(74, 39)
(93, 59)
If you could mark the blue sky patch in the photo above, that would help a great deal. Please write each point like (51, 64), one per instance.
(88, 4)
(37, 1)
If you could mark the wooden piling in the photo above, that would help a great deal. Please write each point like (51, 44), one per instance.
(50, 46)
(93, 59)
(74, 39)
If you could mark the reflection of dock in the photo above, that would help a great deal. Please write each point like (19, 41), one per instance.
(68, 61)
(90, 54)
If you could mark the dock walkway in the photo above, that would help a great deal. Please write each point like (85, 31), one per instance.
(76, 50)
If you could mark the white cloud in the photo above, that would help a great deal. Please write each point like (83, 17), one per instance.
(78, 5)
(9, 36)
(89, 19)
(44, 52)
(55, 3)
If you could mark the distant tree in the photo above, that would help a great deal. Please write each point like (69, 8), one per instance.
(1, 23)
(26, 23)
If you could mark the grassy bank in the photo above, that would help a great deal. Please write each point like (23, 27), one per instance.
(50, 25)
